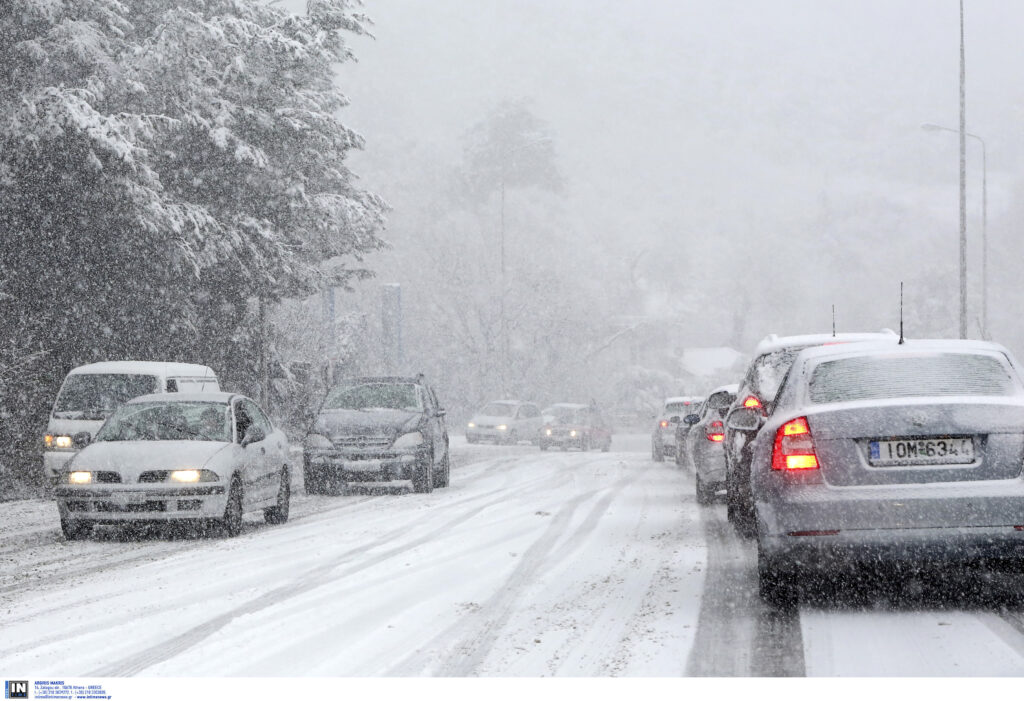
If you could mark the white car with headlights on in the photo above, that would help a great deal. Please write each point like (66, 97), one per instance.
(506, 421)
(206, 457)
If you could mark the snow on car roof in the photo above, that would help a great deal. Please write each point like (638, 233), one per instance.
(143, 367)
(731, 389)
(677, 400)
(773, 342)
(210, 397)
(952, 345)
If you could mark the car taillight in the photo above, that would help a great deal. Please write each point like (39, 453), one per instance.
(752, 402)
(794, 447)
(664, 424)
(715, 432)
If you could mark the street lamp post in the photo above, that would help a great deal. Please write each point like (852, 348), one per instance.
(984, 222)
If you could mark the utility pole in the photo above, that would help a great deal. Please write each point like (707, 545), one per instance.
(963, 182)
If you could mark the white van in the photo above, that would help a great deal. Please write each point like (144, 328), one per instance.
(90, 393)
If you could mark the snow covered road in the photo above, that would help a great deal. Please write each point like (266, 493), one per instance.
(530, 564)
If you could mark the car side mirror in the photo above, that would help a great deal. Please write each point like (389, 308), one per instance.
(691, 419)
(674, 420)
(255, 434)
(745, 419)
(81, 439)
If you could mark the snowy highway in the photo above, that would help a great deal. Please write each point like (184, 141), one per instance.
(530, 564)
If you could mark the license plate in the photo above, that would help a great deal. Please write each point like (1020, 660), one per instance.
(954, 450)
(127, 498)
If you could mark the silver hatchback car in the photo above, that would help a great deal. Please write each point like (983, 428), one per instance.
(885, 452)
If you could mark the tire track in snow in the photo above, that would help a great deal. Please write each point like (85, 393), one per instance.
(313, 579)
(732, 614)
(470, 640)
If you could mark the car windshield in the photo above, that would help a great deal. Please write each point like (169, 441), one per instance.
(569, 415)
(929, 375)
(375, 395)
(498, 409)
(769, 371)
(95, 396)
(168, 421)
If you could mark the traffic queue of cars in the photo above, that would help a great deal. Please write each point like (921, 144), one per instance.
(865, 450)
(152, 442)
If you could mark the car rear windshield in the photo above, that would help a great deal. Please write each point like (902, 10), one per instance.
(682, 408)
(95, 396)
(926, 375)
(769, 371)
(374, 396)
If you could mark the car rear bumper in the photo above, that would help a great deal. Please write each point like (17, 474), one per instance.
(117, 505)
(882, 546)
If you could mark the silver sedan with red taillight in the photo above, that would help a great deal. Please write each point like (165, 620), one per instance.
(703, 446)
(889, 453)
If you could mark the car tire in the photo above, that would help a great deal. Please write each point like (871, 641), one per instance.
(657, 453)
(278, 513)
(443, 476)
(705, 492)
(231, 522)
(75, 530)
(776, 585)
(584, 443)
(513, 438)
(543, 445)
(423, 478)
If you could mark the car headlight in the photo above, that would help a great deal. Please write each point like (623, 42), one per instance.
(316, 441)
(471, 425)
(54, 441)
(192, 476)
(573, 433)
(547, 431)
(79, 477)
(502, 427)
(408, 440)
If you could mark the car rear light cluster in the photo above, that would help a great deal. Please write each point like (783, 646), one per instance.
(794, 447)
(715, 432)
(752, 402)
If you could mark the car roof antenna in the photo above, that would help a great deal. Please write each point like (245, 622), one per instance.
(902, 340)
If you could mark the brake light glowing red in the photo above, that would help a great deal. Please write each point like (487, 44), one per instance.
(752, 402)
(715, 432)
(794, 447)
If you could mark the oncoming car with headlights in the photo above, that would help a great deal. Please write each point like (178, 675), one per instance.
(377, 429)
(205, 457)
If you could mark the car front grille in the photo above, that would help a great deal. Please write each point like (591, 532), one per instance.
(361, 442)
(154, 476)
(107, 477)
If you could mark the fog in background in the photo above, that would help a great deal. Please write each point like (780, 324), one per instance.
(731, 169)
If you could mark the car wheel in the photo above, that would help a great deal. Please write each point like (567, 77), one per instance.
(75, 530)
(584, 443)
(513, 438)
(423, 479)
(776, 585)
(658, 453)
(543, 445)
(705, 494)
(231, 522)
(443, 475)
(279, 512)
